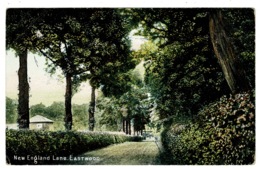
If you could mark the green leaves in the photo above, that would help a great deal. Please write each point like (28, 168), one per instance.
(20, 28)
(132, 104)
(60, 144)
(182, 72)
(222, 133)
(11, 110)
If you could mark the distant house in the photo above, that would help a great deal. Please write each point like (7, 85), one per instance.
(41, 123)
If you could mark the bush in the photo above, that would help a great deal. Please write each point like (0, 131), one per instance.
(21, 143)
(222, 133)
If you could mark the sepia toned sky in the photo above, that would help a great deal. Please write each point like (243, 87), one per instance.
(45, 88)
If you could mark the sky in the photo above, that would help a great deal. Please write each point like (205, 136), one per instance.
(45, 88)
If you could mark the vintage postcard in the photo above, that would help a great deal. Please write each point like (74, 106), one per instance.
(130, 86)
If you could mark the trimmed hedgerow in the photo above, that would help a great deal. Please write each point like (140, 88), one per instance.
(21, 143)
(223, 133)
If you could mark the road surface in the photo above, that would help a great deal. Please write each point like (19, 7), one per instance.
(128, 153)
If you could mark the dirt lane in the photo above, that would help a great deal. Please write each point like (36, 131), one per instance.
(128, 153)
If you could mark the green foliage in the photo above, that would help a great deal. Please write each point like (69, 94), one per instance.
(38, 109)
(180, 81)
(115, 84)
(138, 104)
(181, 69)
(80, 116)
(20, 29)
(86, 43)
(135, 102)
(183, 76)
(109, 111)
(11, 110)
(241, 27)
(222, 133)
(56, 112)
(58, 144)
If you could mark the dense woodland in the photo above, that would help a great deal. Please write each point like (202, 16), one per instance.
(198, 84)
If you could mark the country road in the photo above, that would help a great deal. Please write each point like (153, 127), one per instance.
(128, 153)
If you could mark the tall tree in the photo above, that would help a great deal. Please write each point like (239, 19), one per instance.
(20, 32)
(58, 41)
(234, 72)
(23, 86)
(91, 111)
(130, 110)
(85, 44)
(184, 70)
(110, 56)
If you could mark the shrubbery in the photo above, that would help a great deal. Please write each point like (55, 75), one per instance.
(45, 143)
(222, 133)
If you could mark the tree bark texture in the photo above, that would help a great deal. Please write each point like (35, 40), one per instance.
(129, 126)
(123, 124)
(68, 98)
(224, 51)
(91, 109)
(23, 101)
(126, 126)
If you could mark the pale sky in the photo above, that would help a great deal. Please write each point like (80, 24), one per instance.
(45, 88)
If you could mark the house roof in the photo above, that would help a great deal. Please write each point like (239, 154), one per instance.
(40, 119)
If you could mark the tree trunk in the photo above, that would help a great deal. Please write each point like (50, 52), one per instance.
(126, 127)
(23, 102)
(123, 124)
(223, 48)
(91, 110)
(68, 97)
(129, 126)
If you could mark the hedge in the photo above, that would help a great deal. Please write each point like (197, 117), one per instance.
(23, 143)
(223, 133)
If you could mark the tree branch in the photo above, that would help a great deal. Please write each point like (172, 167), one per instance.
(47, 56)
